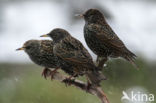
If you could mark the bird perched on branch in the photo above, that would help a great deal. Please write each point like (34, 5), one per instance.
(72, 51)
(102, 40)
(41, 53)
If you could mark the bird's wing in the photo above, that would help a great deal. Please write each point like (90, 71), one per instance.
(77, 57)
(106, 34)
(74, 52)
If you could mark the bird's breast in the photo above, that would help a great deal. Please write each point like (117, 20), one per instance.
(94, 43)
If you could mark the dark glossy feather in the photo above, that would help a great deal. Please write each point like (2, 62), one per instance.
(71, 50)
(102, 40)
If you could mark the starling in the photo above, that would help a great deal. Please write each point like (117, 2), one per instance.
(72, 51)
(102, 40)
(41, 53)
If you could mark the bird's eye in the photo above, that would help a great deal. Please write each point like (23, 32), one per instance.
(28, 47)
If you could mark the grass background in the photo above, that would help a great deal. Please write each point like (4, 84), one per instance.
(22, 83)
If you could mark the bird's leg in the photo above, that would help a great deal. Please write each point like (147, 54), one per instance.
(68, 79)
(88, 84)
(52, 73)
(45, 72)
(101, 61)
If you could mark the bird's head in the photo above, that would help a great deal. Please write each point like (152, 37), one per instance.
(57, 34)
(30, 46)
(92, 16)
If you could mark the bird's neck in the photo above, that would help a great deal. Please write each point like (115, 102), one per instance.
(35, 53)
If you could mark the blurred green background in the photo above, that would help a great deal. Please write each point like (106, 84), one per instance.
(21, 20)
(23, 83)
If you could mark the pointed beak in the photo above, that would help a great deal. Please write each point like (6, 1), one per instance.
(45, 35)
(79, 15)
(20, 49)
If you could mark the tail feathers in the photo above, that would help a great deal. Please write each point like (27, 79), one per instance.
(96, 77)
(131, 58)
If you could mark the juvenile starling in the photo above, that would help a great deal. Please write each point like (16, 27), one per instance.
(102, 40)
(41, 53)
(72, 51)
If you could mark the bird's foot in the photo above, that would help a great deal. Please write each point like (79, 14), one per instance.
(46, 73)
(52, 73)
(68, 81)
(88, 86)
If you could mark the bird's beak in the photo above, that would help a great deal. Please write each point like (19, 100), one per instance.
(79, 15)
(22, 48)
(45, 35)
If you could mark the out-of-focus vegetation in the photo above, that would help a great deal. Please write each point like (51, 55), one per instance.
(22, 83)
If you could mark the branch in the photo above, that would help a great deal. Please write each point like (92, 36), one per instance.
(94, 90)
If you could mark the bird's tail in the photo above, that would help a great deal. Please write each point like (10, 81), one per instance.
(131, 58)
(95, 77)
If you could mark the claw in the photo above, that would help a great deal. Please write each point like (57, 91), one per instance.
(68, 81)
(45, 72)
(88, 86)
(52, 73)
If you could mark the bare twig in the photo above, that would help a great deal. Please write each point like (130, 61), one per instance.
(95, 90)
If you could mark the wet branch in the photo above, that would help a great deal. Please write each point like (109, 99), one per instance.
(94, 90)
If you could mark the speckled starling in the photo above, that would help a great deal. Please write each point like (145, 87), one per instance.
(41, 53)
(102, 40)
(72, 51)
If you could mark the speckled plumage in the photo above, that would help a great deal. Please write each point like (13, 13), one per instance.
(102, 40)
(72, 51)
(41, 53)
